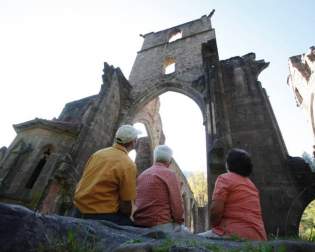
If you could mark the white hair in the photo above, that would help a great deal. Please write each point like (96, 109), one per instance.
(162, 153)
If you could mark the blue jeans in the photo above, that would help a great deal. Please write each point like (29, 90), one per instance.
(117, 218)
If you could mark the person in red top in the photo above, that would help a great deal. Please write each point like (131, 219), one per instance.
(159, 201)
(235, 208)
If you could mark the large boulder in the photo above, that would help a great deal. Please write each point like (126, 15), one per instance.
(24, 230)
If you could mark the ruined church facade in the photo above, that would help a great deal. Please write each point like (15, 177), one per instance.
(301, 80)
(42, 165)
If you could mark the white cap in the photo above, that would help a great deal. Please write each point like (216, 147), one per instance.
(163, 153)
(126, 133)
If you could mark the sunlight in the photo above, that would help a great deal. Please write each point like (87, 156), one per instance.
(141, 127)
(132, 154)
(184, 131)
(169, 65)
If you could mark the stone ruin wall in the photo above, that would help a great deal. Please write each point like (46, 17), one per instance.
(301, 80)
(81, 129)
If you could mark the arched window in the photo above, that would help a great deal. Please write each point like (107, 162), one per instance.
(31, 181)
(175, 35)
(169, 65)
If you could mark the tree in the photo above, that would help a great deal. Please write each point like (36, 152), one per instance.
(307, 224)
(198, 184)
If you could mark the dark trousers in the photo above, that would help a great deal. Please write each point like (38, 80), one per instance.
(117, 218)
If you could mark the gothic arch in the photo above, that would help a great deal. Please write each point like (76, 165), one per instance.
(296, 209)
(147, 126)
(141, 98)
(37, 169)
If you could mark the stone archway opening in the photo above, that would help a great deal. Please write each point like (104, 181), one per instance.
(144, 133)
(184, 131)
(307, 223)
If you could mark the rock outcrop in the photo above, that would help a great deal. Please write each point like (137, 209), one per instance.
(24, 230)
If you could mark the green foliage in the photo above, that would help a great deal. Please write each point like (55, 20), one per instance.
(307, 224)
(247, 248)
(198, 184)
(167, 244)
(70, 244)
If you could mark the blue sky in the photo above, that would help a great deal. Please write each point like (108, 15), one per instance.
(52, 52)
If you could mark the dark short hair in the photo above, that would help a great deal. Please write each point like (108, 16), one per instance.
(239, 161)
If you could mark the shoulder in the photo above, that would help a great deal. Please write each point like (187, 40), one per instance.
(103, 152)
(168, 174)
(227, 178)
(224, 177)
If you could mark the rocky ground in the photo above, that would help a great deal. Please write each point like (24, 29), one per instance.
(24, 230)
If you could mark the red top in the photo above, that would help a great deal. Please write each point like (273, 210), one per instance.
(158, 197)
(242, 212)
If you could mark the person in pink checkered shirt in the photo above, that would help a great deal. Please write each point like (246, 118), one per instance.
(159, 202)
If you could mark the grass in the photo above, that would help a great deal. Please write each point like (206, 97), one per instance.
(133, 241)
(167, 244)
(305, 238)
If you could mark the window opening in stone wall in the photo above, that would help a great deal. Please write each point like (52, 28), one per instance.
(175, 36)
(32, 180)
(144, 155)
(307, 223)
(169, 65)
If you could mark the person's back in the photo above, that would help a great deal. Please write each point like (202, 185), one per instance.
(242, 211)
(157, 197)
(235, 207)
(107, 188)
(159, 202)
(100, 190)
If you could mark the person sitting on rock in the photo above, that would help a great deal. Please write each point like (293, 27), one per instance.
(159, 203)
(107, 189)
(235, 208)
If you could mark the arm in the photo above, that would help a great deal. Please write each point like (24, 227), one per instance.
(125, 207)
(127, 190)
(176, 204)
(219, 197)
(216, 212)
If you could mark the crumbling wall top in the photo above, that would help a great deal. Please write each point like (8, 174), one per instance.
(188, 29)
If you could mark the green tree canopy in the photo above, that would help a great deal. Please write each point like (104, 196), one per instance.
(307, 224)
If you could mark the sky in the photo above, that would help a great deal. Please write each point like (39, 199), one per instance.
(52, 52)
